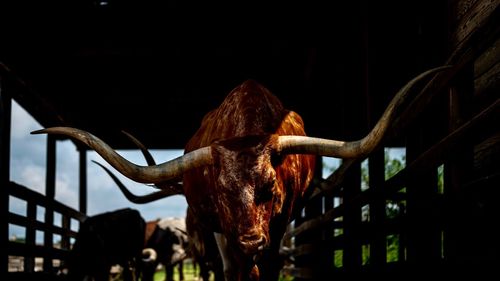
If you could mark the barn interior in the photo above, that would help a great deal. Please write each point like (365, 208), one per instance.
(154, 69)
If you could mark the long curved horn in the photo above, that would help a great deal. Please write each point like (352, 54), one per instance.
(353, 149)
(171, 189)
(145, 174)
(151, 162)
(170, 185)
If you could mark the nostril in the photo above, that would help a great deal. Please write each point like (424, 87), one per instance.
(252, 243)
(248, 238)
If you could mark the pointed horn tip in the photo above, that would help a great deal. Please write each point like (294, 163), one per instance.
(37, 132)
(57, 130)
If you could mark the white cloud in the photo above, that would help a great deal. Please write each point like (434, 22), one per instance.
(27, 159)
(33, 176)
(65, 194)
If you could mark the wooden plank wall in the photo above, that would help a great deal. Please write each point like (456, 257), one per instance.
(443, 230)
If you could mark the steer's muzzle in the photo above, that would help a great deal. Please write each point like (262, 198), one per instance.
(252, 243)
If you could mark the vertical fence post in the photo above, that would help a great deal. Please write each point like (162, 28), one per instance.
(352, 220)
(378, 247)
(29, 259)
(50, 186)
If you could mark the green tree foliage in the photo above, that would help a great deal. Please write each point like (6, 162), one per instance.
(393, 208)
(392, 248)
(393, 165)
(440, 179)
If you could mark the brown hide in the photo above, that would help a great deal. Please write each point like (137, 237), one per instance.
(248, 190)
(150, 228)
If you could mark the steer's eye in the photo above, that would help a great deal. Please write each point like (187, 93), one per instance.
(276, 159)
(266, 192)
(264, 196)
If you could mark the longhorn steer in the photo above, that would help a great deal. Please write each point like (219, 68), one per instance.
(245, 172)
(105, 240)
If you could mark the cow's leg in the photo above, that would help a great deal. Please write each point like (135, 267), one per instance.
(102, 274)
(204, 271)
(127, 273)
(169, 272)
(227, 263)
(218, 272)
(148, 271)
(181, 271)
(270, 265)
(270, 262)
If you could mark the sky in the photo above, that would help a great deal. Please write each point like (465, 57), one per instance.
(28, 161)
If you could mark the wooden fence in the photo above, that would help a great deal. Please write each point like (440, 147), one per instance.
(443, 200)
(29, 256)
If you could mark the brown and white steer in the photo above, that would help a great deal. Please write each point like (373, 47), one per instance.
(245, 172)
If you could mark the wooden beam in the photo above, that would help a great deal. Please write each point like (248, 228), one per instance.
(5, 119)
(29, 261)
(473, 18)
(83, 180)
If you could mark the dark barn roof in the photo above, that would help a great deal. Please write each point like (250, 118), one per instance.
(155, 70)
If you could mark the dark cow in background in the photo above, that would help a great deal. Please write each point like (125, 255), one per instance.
(105, 240)
(246, 172)
(168, 238)
(201, 247)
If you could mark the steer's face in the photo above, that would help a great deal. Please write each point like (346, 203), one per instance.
(246, 186)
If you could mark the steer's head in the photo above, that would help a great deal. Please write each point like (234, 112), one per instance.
(246, 184)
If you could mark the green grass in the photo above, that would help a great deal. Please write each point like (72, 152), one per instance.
(189, 273)
(285, 278)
